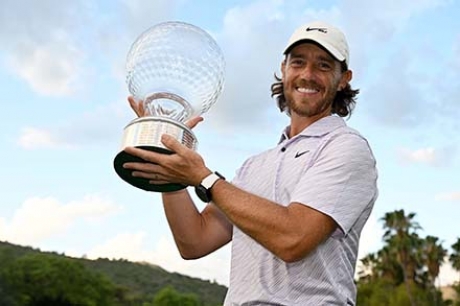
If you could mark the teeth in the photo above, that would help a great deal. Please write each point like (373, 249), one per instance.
(306, 90)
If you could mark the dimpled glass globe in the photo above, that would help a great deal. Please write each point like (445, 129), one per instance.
(177, 69)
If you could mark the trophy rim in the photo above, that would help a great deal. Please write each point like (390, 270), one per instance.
(160, 118)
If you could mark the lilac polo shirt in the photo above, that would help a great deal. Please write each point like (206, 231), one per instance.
(329, 167)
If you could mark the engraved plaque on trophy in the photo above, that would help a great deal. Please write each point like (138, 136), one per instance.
(177, 70)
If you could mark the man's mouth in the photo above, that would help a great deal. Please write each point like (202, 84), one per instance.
(307, 90)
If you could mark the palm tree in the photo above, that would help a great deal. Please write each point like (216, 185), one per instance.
(433, 255)
(381, 265)
(368, 270)
(454, 258)
(400, 234)
(388, 267)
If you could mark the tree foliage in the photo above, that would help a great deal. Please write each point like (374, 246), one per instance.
(29, 277)
(168, 296)
(39, 279)
(404, 270)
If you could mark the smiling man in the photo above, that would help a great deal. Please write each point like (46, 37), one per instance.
(295, 212)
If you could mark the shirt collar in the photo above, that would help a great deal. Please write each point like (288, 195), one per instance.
(318, 128)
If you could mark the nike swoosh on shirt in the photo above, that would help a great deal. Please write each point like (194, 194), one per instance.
(298, 154)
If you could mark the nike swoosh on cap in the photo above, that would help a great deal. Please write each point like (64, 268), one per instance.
(324, 30)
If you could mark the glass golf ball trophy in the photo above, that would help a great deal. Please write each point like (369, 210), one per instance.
(177, 71)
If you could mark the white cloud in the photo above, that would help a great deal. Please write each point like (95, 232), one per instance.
(252, 38)
(397, 103)
(396, 89)
(102, 125)
(448, 196)
(246, 96)
(371, 25)
(33, 138)
(137, 247)
(456, 51)
(51, 68)
(142, 14)
(425, 155)
(429, 156)
(394, 14)
(41, 218)
(41, 44)
(123, 246)
(48, 44)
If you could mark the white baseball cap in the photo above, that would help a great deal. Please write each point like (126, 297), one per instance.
(326, 35)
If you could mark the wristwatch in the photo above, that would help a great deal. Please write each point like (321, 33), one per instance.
(203, 191)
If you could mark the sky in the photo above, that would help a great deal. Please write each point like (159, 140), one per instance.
(63, 91)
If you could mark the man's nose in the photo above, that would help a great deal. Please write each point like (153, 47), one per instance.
(307, 72)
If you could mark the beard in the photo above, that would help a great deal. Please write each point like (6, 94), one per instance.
(317, 108)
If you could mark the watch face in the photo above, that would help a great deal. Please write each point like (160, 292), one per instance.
(203, 194)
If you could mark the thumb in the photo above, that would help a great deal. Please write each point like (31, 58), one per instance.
(172, 144)
(193, 122)
(136, 106)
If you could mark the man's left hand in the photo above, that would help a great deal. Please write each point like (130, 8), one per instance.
(184, 166)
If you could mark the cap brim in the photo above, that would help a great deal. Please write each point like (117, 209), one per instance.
(324, 45)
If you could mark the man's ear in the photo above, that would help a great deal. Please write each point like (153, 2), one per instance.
(283, 67)
(346, 78)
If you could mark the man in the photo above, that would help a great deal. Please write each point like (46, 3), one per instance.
(295, 212)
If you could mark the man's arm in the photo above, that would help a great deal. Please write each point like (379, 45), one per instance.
(288, 232)
(196, 234)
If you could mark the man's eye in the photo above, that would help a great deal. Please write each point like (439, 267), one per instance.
(324, 66)
(296, 62)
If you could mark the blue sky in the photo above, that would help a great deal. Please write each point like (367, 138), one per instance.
(64, 110)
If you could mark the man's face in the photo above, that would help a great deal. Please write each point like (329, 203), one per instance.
(311, 79)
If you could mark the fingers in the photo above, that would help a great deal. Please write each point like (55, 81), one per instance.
(133, 104)
(143, 167)
(152, 172)
(148, 156)
(136, 106)
(154, 178)
(193, 122)
(172, 144)
(144, 171)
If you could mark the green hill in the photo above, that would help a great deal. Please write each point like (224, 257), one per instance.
(113, 282)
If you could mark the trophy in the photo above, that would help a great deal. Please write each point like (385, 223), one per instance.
(177, 70)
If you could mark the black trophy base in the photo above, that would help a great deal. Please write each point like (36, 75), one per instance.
(142, 183)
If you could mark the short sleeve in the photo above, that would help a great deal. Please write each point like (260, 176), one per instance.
(342, 180)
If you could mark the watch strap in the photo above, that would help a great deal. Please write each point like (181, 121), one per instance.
(203, 191)
(211, 179)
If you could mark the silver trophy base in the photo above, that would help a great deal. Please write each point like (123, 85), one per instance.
(145, 133)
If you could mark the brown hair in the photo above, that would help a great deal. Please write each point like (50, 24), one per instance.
(344, 101)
